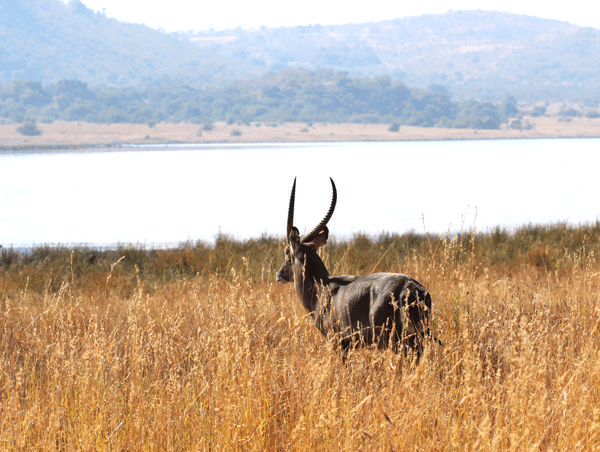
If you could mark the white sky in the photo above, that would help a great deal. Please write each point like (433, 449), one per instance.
(183, 15)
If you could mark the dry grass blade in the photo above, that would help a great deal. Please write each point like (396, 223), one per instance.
(199, 349)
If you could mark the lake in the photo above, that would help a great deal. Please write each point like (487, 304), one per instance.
(162, 195)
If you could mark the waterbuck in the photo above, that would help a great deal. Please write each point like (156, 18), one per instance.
(386, 309)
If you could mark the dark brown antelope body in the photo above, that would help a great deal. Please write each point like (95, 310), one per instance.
(387, 309)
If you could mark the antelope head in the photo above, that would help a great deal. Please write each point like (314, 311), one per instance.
(302, 251)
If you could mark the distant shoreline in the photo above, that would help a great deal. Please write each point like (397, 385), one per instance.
(73, 136)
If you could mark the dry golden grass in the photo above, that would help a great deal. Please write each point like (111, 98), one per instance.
(199, 349)
(62, 133)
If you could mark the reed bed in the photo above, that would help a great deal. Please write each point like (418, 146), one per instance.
(198, 348)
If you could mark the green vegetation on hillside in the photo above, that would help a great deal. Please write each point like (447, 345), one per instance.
(473, 54)
(468, 54)
(48, 40)
(286, 96)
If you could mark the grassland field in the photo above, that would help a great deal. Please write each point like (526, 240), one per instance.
(68, 134)
(198, 348)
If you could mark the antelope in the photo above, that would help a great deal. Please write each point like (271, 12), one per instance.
(385, 309)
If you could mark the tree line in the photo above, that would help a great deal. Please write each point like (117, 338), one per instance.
(291, 95)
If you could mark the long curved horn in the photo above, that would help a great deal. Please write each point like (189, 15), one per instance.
(290, 220)
(309, 237)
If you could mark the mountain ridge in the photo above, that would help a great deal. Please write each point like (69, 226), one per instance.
(471, 54)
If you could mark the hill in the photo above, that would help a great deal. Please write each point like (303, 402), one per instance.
(48, 41)
(473, 54)
(469, 54)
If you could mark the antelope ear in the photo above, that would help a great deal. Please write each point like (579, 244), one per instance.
(321, 238)
(294, 238)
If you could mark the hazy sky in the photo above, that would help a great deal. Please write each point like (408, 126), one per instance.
(173, 15)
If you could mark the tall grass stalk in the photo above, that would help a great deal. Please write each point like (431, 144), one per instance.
(198, 348)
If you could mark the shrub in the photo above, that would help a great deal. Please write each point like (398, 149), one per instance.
(29, 129)
(235, 133)
(521, 125)
(394, 127)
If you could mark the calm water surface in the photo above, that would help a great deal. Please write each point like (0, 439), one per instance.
(164, 195)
